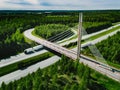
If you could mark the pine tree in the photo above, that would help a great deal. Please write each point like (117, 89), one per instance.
(3, 86)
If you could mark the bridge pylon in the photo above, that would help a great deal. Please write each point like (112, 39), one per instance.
(79, 36)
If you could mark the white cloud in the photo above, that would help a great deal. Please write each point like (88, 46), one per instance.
(59, 4)
(32, 1)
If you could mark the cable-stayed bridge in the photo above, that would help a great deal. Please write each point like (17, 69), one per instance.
(73, 55)
(69, 53)
(105, 69)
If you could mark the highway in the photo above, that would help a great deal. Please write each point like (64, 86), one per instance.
(24, 72)
(88, 35)
(98, 67)
(96, 40)
(22, 56)
(60, 49)
(92, 34)
(72, 54)
(19, 57)
(21, 73)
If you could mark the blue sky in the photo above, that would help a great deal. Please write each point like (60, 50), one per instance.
(58, 4)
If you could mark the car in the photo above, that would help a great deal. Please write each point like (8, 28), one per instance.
(29, 51)
(37, 48)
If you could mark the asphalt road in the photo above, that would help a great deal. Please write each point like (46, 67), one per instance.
(21, 73)
(19, 57)
(98, 39)
(92, 34)
(90, 63)
(23, 56)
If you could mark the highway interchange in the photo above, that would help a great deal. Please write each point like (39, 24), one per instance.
(72, 54)
(21, 73)
(22, 56)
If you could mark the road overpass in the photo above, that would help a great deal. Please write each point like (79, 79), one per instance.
(73, 55)
(62, 50)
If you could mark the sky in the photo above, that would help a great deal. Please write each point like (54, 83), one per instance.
(59, 4)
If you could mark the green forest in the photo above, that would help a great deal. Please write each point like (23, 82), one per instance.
(91, 27)
(14, 24)
(50, 30)
(66, 74)
(109, 48)
(46, 31)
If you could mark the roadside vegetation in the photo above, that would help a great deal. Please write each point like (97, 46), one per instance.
(66, 74)
(24, 63)
(109, 48)
(73, 44)
(11, 28)
(92, 27)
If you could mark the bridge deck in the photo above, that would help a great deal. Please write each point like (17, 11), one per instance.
(69, 53)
